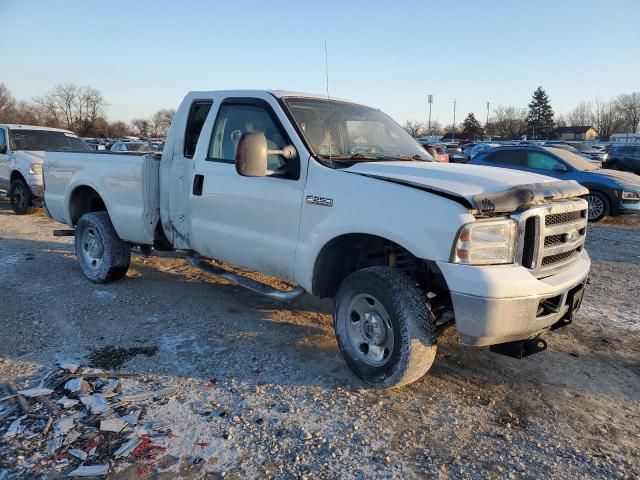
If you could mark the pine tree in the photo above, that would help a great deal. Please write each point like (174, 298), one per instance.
(471, 128)
(540, 118)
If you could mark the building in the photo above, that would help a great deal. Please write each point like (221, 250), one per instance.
(576, 133)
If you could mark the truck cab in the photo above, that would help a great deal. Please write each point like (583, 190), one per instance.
(336, 199)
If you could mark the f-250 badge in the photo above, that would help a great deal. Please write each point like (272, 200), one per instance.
(315, 200)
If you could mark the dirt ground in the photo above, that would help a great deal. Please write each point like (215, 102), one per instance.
(263, 391)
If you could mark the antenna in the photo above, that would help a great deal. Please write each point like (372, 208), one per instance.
(326, 66)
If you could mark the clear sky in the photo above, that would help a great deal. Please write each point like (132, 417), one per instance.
(144, 55)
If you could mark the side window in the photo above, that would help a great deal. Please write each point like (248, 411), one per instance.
(233, 120)
(513, 158)
(197, 115)
(3, 138)
(542, 161)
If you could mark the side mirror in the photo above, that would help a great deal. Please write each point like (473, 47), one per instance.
(252, 153)
(560, 169)
(3, 149)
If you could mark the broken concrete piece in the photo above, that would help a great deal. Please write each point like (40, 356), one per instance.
(35, 392)
(131, 418)
(127, 447)
(139, 396)
(90, 471)
(110, 387)
(81, 454)
(64, 424)
(77, 385)
(72, 437)
(15, 427)
(67, 402)
(112, 425)
(54, 444)
(70, 366)
(95, 403)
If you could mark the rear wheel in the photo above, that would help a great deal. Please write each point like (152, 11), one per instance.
(598, 206)
(384, 327)
(21, 197)
(102, 255)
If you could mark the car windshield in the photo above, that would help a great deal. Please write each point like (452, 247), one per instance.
(576, 161)
(583, 147)
(136, 147)
(345, 132)
(45, 140)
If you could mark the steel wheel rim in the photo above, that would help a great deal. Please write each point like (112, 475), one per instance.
(369, 330)
(92, 249)
(19, 196)
(596, 206)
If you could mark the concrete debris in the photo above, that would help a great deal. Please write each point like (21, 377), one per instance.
(112, 425)
(140, 396)
(81, 454)
(127, 448)
(35, 392)
(90, 471)
(15, 427)
(67, 402)
(78, 414)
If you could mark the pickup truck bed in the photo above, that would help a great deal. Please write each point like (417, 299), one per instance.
(129, 181)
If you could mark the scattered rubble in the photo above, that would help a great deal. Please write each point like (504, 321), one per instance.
(77, 422)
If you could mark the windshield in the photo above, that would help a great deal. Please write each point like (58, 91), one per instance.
(576, 161)
(339, 131)
(583, 147)
(45, 140)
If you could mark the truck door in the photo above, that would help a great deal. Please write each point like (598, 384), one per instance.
(252, 222)
(4, 159)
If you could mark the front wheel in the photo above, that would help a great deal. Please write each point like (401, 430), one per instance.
(384, 327)
(598, 206)
(102, 255)
(21, 197)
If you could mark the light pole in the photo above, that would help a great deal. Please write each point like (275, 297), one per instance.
(430, 100)
(454, 119)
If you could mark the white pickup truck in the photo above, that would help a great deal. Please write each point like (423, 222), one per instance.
(21, 150)
(336, 199)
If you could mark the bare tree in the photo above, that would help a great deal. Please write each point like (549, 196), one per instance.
(628, 104)
(605, 118)
(580, 116)
(7, 104)
(141, 126)
(436, 128)
(509, 122)
(415, 129)
(117, 129)
(161, 121)
(561, 121)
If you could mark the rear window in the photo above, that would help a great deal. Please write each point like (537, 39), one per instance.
(45, 140)
(195, 122)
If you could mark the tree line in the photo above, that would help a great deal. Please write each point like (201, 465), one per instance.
(508, 122)
(80, 109)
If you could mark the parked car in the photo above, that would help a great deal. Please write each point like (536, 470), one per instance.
(610, 192)
(281, 183)
(455, 153)
(437, 152)
(21, 150)
(129, 146)
(479, 148)
(572, 149)
(626, 157)
(585, 150)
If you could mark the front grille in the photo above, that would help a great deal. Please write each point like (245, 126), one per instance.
(551, 236)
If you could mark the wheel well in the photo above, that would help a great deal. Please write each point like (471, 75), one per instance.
(84, 200)
(15, 175)
(347, 253)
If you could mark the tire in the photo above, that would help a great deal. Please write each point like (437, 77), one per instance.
(102, 255)
(389, 340)
(599, 206)
(21, 197)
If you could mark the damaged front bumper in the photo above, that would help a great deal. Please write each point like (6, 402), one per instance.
(522, 310)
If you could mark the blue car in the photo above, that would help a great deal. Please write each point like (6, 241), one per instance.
(611, 192)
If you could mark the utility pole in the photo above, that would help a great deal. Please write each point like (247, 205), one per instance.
(430, 100)
(454, 119)
(486, 125)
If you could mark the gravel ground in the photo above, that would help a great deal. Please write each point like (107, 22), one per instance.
(263, 391)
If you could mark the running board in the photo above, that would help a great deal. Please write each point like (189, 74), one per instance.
(64, 233)
(242, 281)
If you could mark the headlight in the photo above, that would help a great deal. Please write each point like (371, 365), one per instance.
(630, 195)
(486, 243)
(35, 169)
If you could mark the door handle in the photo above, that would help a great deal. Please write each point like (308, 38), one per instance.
(198, 183)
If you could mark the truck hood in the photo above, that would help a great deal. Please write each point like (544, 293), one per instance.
(485, 189)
